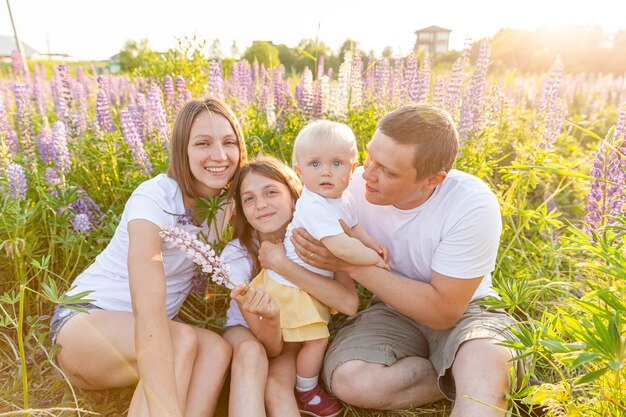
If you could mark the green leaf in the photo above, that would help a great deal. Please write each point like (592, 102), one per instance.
(586, 357)
(592, 376)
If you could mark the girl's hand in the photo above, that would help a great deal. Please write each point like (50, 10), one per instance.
(271, 255)
(255, 301)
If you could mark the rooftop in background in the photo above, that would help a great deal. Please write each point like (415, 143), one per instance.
(8, 45)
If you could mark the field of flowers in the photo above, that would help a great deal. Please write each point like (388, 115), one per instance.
(74, 144)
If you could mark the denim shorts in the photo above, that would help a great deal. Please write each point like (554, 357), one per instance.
(63, 313)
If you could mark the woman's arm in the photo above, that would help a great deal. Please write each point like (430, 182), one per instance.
(153, 344)
(261, 312)
(339, 293)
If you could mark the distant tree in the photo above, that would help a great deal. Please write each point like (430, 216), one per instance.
(387, 52)
(134, 55)
(287, 57)
(234, 51)
(308, 53)
(264, 52)
(216, 49)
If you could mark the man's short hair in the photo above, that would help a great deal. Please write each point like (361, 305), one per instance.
(430, 129)
(320, 133)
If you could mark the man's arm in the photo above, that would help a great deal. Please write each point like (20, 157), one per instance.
(438, 304)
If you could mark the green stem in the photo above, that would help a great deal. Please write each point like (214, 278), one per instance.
(20, 342)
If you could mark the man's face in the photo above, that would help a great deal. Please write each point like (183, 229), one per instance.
(390, 175)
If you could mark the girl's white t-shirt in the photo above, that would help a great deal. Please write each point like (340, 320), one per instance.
(160, 201)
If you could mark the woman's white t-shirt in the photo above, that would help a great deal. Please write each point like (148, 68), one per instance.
(160, 201)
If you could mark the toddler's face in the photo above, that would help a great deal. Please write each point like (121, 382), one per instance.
(326, 170)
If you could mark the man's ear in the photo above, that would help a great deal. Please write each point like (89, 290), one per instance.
(437, 178)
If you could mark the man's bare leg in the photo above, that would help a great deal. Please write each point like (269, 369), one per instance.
(481, 374)
(410, 382)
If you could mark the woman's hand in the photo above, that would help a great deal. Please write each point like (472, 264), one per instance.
(313, 252)
(255, 301)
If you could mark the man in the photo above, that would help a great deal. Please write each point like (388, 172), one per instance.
(423, 336)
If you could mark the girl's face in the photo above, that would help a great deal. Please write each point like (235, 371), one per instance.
(267, 205)
(213, 153)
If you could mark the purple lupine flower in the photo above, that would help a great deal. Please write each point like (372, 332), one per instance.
(80, 113)
(409, 80)
(7, 134)
(51, 176)
(423, 80)
(280, 100)
(157, 116)
(356, 81)
(305, 99)
(216, 83)
(381, 75)
(168, 97)
(370, 75)
(438, 92)
(551, 110)
(134, 142)
(23, 119)
(16, 179)
(478, 84)
(605, 198)
(17, 65)
(45, 144)
(453, 95)
(395, 82)
(5, 157)
(85, 205)
(103, 110)
(81, 224)
(39, 96)
(320, 67)
(61, 153)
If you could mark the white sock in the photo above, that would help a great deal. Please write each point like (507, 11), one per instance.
(305, 384)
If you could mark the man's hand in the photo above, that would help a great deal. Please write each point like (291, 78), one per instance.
(313, 252)
(255, 301)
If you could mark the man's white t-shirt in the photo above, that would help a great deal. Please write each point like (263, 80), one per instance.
(320, 217)
(160, 201)
(456, 232)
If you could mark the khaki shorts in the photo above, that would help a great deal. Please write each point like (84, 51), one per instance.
(379, 334)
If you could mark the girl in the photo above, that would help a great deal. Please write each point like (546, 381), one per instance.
(138, 283)
(265, 192)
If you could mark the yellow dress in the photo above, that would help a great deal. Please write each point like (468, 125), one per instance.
(302, 317)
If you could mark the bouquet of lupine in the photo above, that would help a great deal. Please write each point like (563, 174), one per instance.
(200, 253)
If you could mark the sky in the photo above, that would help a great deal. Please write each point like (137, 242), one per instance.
(87, 29)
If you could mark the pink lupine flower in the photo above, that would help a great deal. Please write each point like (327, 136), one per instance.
(200, 253)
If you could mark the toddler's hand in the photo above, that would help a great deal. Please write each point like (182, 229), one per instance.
(382, 264)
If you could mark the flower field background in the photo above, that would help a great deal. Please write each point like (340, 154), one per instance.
(75, 143)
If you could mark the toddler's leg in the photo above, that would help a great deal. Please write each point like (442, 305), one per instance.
(310, 358)
(312, 400)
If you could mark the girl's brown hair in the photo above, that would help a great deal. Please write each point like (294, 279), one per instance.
(271, 168)
(179, 160)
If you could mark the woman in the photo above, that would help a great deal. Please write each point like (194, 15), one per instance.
(265, 192)
(138, 282)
